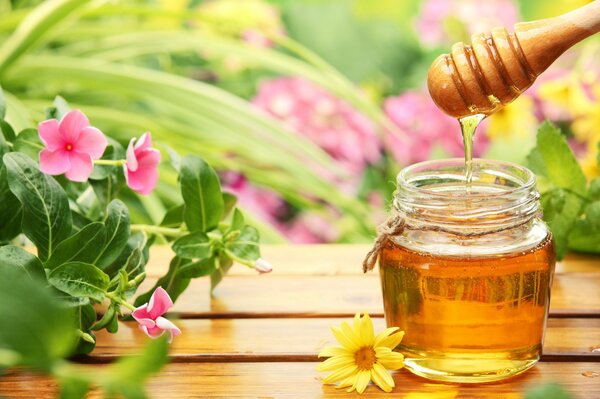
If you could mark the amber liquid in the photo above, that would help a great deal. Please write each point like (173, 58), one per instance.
(471, 319)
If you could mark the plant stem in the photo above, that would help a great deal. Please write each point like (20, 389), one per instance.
(119, 300)
(148, 228)
(111, 162)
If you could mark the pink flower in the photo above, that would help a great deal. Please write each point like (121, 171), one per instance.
(444, 22)
(347, 135)
(71, 146)
(426, 127)
(150, 316)
(312, 228)
(141, 168)
(263, 266)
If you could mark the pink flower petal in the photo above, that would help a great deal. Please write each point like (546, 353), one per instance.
(72, 124)
(81, 166)
(132, 163)
(160, 302)
(143, 181)
(48, 132)
(167, 325)
(152, 332)
(54, 162)
(141, 312)
(144, 142)
(91, 141)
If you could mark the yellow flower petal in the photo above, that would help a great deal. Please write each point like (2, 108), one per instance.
(362, 380)
(348, 382)
(382, 351)
(342, 339)
(357, 322)
(383, 335)
(366, 331)
(340, 374)
(382, 378)
(336, 362)
(393, 340)
(392, 361)
(351, 334)
(334, 351)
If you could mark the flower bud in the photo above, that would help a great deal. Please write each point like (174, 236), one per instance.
(262, 266)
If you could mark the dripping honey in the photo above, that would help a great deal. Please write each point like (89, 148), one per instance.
(481, 317)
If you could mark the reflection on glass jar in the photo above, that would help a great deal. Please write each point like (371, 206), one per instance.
(469, 278)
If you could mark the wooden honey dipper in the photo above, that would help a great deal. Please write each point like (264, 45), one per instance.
(495, 69)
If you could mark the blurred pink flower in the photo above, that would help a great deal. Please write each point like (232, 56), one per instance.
(262, 203)
(150, 315)
(71, 146)
(347, 135)
(447, 21)
(426, 127)
(141, 168)
(310, 228)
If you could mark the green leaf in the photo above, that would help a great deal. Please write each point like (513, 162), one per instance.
(201, 193)
(46, 214)
(200, 268)
(174, 217)
(246, 245)
(74, 387)
(35, 325)
(117, 232)
(229, 201)
(535, 162)
(594, 190)
(561, 211)
(10, 209)
(2, 104)
(194, 246)
(135, 241)
(36, 24)
(548, 391)
(17, 258)
(170, 282)
(128, 375)
(84, 317)
(6, 131)
(217, 276)
(81, 246)
(585, 237)
(560, 164)
(28, 142)
(237, 222)
(80, 279)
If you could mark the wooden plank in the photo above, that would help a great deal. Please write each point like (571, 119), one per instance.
(300, 380)
(274, 295)
(336, 259)
(243, 340)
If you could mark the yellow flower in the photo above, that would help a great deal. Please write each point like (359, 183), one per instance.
(514, 121)
(363, 356)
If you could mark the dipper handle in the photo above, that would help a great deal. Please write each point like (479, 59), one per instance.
(496, 68)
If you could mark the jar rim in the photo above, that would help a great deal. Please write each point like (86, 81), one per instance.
(526, 183)
(434, 193)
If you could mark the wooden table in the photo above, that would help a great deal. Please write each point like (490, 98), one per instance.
(259, 335)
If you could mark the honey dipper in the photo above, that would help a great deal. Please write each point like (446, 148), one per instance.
(495, 69)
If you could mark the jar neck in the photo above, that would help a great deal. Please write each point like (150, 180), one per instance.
(434, 196)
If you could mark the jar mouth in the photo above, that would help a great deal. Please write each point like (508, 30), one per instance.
(435, 193)
(517, 179)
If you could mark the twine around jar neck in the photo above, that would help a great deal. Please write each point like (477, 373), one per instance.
(393, 226)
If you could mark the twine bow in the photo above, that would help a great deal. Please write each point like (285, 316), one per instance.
(393, 226)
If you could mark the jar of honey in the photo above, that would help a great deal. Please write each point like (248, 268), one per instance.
(468, 277)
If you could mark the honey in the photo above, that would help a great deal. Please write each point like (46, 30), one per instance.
(468, 280)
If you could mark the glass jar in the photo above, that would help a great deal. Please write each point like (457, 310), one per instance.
(469, 277)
